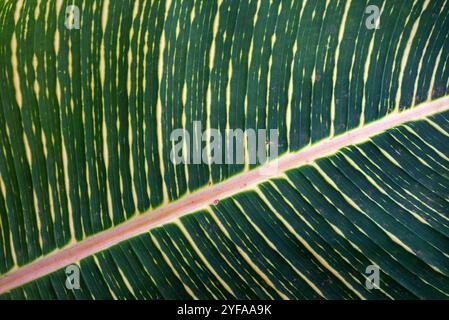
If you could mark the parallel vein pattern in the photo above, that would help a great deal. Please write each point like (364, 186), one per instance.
(85, 123)
(308, 234)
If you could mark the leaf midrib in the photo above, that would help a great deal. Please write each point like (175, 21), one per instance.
(206, 196)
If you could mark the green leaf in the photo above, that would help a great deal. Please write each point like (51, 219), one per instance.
(86, 178)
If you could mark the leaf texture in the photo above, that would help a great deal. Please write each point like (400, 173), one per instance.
(85, 123)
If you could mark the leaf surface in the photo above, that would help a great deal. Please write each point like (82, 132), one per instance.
(86, 175)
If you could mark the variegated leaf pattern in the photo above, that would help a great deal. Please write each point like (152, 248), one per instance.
(85, 123)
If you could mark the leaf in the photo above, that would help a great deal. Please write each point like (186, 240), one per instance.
(86, 175)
